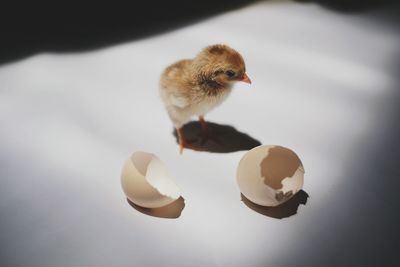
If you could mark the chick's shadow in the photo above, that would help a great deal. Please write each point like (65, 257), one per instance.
(170, 211)
(285, 210)
(222, 138)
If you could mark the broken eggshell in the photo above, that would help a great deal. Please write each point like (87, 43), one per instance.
(269, 175)
(146, 182)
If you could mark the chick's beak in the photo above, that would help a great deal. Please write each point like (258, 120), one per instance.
(245, 79)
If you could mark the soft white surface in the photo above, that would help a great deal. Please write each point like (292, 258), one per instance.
(69, 121)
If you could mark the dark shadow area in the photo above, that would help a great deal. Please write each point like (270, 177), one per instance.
(360, 221)
(170, 211)
(222, 138)
(351, 6)
(285, 210)
(64, 26)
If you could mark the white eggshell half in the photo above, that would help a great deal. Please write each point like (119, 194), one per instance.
(146, 182)
(252, 184)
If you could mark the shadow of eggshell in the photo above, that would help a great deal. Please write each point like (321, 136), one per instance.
(269, 175)
(170, 211)
(146, 182)
(285, 210)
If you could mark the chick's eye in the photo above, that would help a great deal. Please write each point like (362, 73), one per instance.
(230, 73)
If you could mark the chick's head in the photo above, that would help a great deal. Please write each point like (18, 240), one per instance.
(221, 64)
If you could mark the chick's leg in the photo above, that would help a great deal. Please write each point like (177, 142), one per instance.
(183, 143)
(203, 123)
(181, 139)
(206, 133)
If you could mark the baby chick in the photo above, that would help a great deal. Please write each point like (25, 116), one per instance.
(192, 87)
